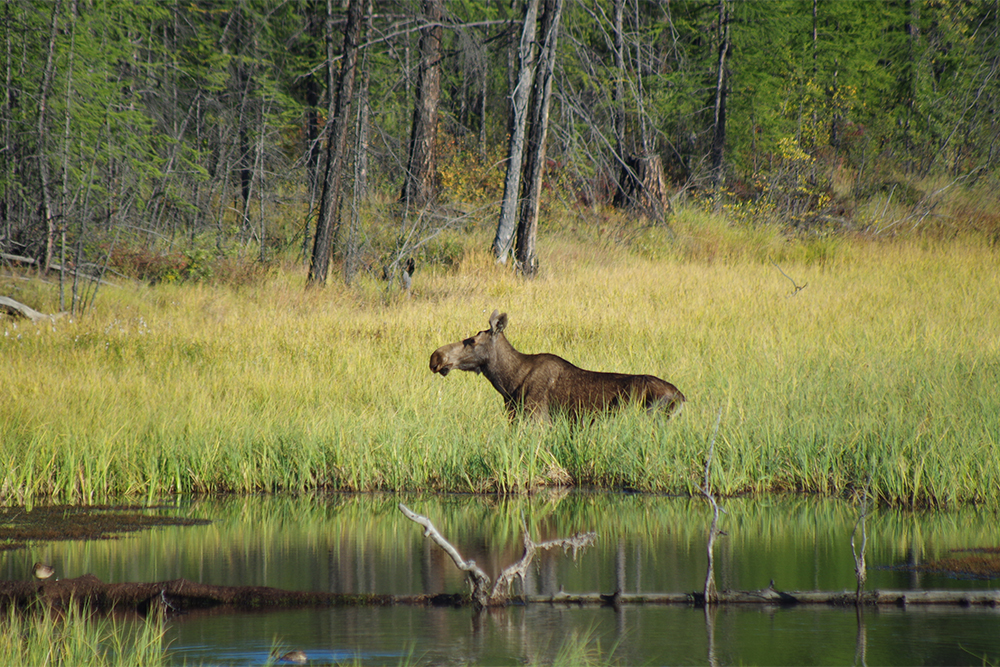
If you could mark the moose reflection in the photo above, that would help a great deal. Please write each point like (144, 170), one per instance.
(543, 385)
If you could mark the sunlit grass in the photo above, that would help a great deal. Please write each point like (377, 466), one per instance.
(72, 639)
(885, 366)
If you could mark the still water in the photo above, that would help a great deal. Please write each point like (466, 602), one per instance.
(362, 544)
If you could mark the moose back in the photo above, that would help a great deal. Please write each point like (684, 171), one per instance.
(543, 385)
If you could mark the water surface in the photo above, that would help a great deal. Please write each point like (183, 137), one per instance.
(362, 544)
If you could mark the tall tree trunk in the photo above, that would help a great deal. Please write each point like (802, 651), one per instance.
(719, 124)
(360, 161)
(329, 211)
(48, 214)
(313, 132)
(534, 164)
(911, 87)
(527, 53)
(64, 197)
(618, 93)
(418, 185)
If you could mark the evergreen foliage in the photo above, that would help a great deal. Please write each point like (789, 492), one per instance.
(179, 129)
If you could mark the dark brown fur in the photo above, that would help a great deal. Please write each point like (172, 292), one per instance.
(543, 385)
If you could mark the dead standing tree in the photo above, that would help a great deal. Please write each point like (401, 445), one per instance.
(538, 126)
(340, 118)
(642, 184)
(482, 594)
(418, 186)
(716, 158)
(527, 55)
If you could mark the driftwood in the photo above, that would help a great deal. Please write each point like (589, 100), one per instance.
(18, 309)
(499, 594)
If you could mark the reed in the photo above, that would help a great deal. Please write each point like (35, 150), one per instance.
(883, 368)
(74, 639)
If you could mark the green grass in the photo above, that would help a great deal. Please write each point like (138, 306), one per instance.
(886, 365)
(72, 638)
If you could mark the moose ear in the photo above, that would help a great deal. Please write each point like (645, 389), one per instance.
(498, 322)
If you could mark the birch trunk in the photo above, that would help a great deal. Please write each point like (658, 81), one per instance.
(534, 166)
(527, 54)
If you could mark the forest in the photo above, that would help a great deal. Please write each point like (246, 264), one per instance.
(157, 139)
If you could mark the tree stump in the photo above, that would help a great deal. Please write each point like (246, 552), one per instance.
(642, 186)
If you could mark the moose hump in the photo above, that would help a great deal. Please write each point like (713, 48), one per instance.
(542, 385)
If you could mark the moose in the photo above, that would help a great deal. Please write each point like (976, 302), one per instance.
(543, 385)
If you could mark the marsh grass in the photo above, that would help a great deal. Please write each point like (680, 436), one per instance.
(76, 639)
(885, 365)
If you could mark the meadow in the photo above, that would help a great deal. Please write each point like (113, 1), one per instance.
(880, 373)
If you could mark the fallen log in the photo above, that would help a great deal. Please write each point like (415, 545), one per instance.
(179, 596)
(183, 595)
(782, 598)
(17, 308)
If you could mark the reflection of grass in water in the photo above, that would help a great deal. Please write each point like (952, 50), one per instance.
(78, 639)
(369, 534)
(579, 649)
(884, 366)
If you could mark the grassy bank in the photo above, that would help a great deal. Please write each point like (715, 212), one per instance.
(886, 365)
(72, 639)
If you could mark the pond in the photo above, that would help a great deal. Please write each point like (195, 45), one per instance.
(363, 544)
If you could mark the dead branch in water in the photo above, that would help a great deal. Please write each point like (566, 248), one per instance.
(482, 594)
(860, 568)
(710, 594)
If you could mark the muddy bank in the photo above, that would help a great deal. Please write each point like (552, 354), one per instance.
(50, 523)
(182, 595)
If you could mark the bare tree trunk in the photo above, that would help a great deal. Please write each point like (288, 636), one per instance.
(351, 245)
(329, 211)
(313, 132)
(64, 198)
(618, 94)
(642, 186)
(418, 185)
(534, 165)
(719, 124)
(43, 160)
(515, 154)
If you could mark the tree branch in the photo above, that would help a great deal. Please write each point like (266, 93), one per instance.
(478, 579)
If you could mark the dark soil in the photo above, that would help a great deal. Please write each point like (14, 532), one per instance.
(972, 563)
(49, 523)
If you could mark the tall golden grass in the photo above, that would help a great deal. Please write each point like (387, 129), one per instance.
(881, 371)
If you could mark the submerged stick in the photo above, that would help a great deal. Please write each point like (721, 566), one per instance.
(860, 568)
(706, 490)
